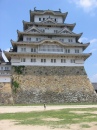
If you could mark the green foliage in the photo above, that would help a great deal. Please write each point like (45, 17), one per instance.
(15, 85)
(18, 69)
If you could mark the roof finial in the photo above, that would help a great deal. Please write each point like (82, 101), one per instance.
(59, 9)
(34, 8)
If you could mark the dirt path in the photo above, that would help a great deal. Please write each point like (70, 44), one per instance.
(10, 125)
(14, 109)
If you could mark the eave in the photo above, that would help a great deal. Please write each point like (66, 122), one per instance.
(20, 34)
(27, 24)
(19, 54)
(22, 43)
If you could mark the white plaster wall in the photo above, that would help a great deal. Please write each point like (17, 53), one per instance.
(48, 62)
(59, 18)
(28, 49)
(49, 29)
(81, 61)
(5, 79)
(66, 39)
(33, 38)
(15, 60)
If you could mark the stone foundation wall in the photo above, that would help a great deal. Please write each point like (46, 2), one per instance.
(53, 85)
(6, 93)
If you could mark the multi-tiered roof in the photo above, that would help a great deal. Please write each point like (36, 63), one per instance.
(34, 29)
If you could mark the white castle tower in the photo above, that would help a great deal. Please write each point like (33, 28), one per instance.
(53, 60)
(47, 41)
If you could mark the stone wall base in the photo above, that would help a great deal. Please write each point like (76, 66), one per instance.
(6, 93)
(53, 85)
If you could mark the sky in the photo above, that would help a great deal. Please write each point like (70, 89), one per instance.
(81, 12)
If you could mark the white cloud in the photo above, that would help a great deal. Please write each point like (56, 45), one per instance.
(93, 43)
(93, 40)
(86, 5)
(83, 39)
(93, 78)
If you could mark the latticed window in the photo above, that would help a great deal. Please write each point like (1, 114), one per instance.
(50, 48)
(23, 49)
(43, 19)
(63, 60)
(38, 39)
(23, 60)
(53, 60)
(33, 49)
(70, 40)
(43, 60)
(1, 68)
(39, 19)
(6, 68)
(62, 40)
(67, 50)
(33, 60)
(28, 39)
(55, 31)
(76, 50)
(72, 60)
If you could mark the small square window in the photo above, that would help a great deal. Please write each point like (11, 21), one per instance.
(28, 39)
(23, 60)
(36, 39)
(76, 50)
(23, 49)
(70, 40)
(33, 60)
(43, 19)
(33, 49)
(39, 19)
(72, 60)
(53, 60)
(63, 60)
(67, 50)
(43, 60)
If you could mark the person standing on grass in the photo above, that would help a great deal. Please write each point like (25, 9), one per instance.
(44, 106)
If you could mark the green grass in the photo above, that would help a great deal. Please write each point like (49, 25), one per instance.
(85, 126)
(65, 116)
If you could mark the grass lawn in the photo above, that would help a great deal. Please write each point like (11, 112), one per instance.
(54, 118)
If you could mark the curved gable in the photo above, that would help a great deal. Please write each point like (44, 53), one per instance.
(51, 42)
(65, 31)
(33, 29)
(49, 20)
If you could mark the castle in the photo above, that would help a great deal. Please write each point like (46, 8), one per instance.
(48, 61)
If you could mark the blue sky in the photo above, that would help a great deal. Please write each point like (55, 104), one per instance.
(81, 12)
